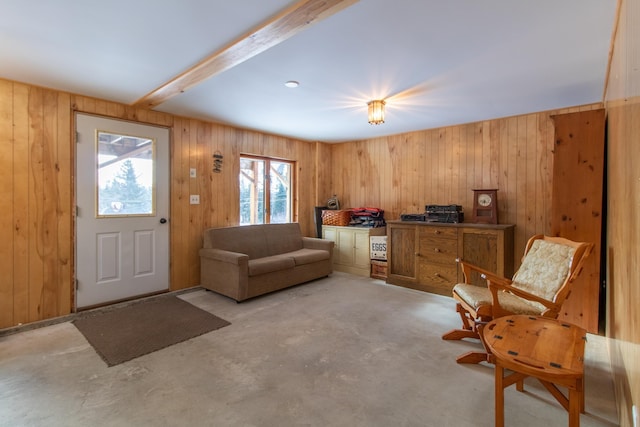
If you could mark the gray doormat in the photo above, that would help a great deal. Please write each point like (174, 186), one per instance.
(140, 328)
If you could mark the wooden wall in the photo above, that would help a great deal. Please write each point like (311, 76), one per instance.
(623, 224)
(403, 173)
(193, 145)
(36, 258)
(36, 192)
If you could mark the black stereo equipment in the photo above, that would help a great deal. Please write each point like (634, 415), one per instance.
(444, 213)
(413, 217)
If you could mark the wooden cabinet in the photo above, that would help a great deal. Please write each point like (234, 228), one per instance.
(490, 249)
(423, 255)
(351, 251)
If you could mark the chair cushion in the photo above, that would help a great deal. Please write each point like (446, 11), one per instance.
(544, 269)
(480, 299)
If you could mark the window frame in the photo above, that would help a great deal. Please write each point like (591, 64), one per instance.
(267, 196)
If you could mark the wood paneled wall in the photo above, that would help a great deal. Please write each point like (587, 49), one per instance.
(623, 223)
(403, 173)
(194, 143)
(36, 258)
(36, 192)
(623, 252)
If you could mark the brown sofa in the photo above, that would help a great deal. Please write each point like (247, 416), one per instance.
(246, 261)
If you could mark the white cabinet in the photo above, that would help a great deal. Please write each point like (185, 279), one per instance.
(351, 251)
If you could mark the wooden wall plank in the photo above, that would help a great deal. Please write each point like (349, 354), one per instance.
(35, 194)
(64, 167)
(521, 235)
(469, 171)
(21, 212)
(179, 206)
(49, 223)
(501, 137)
(6, 200)
(195, 222)
(532, 178)
(454, 167)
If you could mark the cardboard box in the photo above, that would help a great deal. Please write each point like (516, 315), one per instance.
(379, 269)
(378, 247)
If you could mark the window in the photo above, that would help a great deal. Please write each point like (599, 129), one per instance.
(125, 175)
(266, 190)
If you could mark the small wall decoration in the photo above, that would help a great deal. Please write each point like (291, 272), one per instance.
(217, 162)
(333, 203)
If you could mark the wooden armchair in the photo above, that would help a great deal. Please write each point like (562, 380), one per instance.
(539, 288)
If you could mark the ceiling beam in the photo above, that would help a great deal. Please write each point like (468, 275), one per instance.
(279, 28)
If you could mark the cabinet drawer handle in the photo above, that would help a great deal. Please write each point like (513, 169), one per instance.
(437, 231)
(437, 274)
(437, 250)
(417, 253)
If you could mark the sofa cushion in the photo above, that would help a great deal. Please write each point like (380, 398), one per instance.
(308, 256)
(269, 264)
(282, 238)
(248, 239)
(257, 241)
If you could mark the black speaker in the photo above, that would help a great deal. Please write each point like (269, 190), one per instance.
(318, 220)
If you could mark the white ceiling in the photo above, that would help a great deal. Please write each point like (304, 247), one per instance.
(436, 63)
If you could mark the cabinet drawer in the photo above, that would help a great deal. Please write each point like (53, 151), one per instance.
(441, 251)
(443, 277)
(441, 232)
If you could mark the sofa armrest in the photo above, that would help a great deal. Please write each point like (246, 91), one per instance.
(224, 256)
(316, 243)
(225, 272)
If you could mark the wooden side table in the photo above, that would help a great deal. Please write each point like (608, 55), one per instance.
(547, 349)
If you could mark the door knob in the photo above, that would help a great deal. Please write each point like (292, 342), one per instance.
(163, 220)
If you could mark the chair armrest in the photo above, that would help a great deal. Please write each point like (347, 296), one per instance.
(552, 308)
(467, 268)
(315, 243)
(224, 256)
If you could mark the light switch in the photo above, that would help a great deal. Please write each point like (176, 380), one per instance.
(194, 199)
(192, 172)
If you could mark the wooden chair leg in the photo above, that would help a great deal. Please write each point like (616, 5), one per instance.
(476, 356)
(468, 327)
(467, 322)
(473, 357)
(458, 334)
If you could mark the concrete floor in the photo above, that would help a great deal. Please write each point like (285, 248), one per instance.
(340, 351)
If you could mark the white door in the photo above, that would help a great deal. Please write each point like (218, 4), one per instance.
(122, 193)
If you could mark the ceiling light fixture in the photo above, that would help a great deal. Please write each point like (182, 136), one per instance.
(292, 83)
(376, 112)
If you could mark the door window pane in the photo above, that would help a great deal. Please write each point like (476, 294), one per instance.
(125, 175)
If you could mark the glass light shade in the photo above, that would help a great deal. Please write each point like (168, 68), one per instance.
(376, 112)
